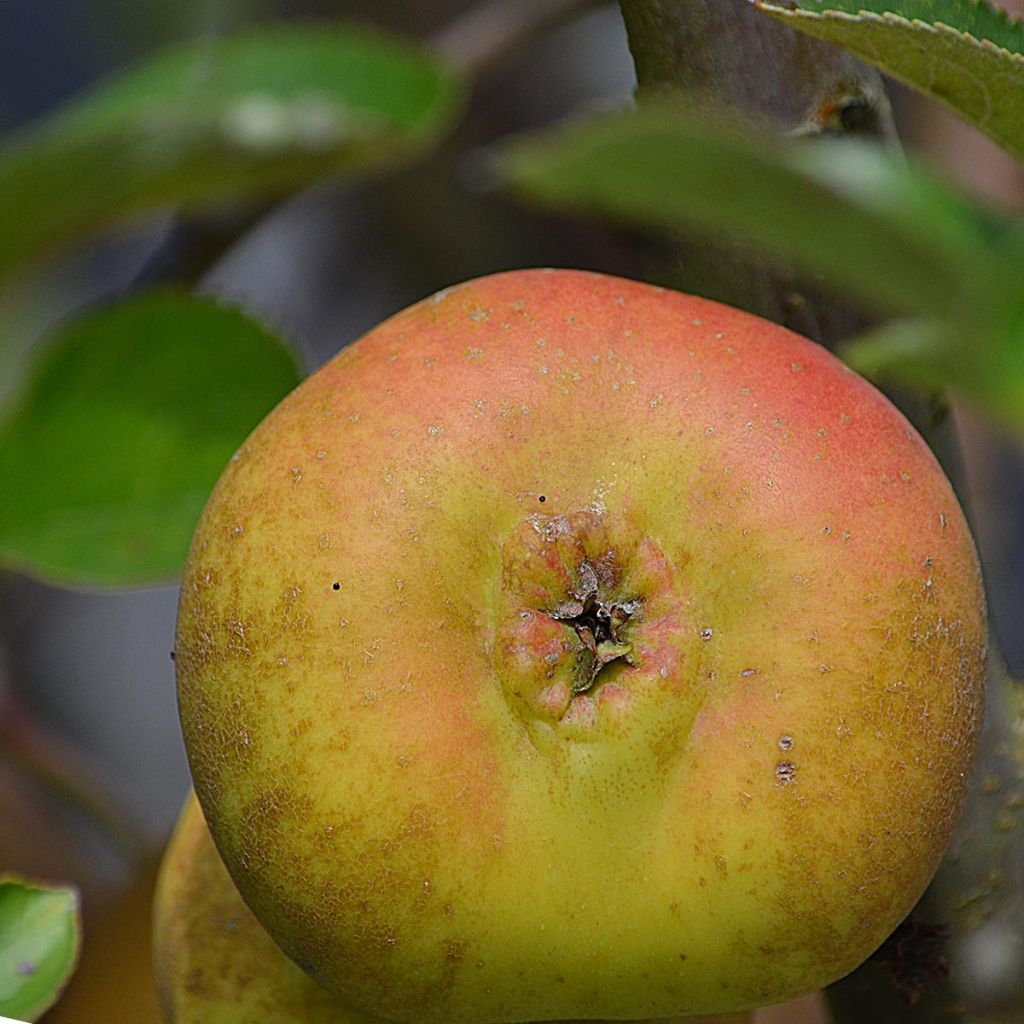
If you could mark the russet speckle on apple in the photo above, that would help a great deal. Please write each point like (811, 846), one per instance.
(215, 964)
(572, 648)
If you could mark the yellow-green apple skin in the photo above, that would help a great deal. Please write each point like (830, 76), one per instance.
(215, 964)
(572, 648)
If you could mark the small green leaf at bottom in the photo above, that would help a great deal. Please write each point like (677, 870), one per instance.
(40, 935)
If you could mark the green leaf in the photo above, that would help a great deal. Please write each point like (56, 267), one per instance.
(125, 425)
(964, 53)
(857, 215)
(231, 119)
(40, 935)
(907, 351)
(983, 363)
(978, 354)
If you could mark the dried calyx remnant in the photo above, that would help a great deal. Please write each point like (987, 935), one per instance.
(599, 626)
(586, 621)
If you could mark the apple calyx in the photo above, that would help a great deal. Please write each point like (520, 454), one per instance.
(600, 626)
(586, 608)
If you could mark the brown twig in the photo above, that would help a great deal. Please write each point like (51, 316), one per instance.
(491, 32)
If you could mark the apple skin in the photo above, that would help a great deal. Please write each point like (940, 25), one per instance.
(213, 960)
(215, 963)
(388, 699)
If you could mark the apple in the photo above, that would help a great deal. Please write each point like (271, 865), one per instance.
(569, 647)
(215, 963)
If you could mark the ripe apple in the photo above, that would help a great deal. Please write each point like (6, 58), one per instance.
(572, 648)
(214, 961)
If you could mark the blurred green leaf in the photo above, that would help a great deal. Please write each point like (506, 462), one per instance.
(856, 215)
(235, 118)
(39, 940)
(979, 353)
(935, 357)
(911, 352)
(964, 53)
(125, 425)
